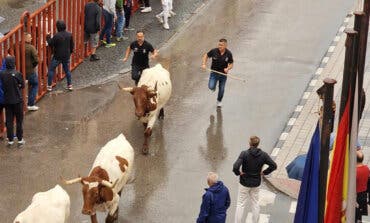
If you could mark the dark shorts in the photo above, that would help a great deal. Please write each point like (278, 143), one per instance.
(93, 38)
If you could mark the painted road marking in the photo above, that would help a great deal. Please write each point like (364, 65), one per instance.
(293, 206)
(291, 121)
(331, 49)
(299, 108)
(318, 71)
(283, 136)
(275, 152)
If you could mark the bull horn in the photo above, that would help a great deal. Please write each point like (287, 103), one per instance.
(109, 184)
(73, 181)
(127, 89)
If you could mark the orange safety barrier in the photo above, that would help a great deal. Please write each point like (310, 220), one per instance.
(39, 24)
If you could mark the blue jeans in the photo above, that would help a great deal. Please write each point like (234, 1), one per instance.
(53, 64)
(107, 29)
(120, 23)
(32, 88)
(213, 78)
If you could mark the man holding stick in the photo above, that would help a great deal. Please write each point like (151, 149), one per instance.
(222, 62)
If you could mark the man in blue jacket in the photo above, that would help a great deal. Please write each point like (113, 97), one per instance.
(215, 202)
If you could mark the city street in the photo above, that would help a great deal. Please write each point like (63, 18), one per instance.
(277, 46)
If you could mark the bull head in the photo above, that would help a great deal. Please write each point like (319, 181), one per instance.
(94, 191)
(144, 99)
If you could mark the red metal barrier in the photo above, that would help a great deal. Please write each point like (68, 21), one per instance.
(39, 24)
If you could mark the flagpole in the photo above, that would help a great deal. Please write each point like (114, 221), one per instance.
(362, 44)
(348, 68)
(325, 144)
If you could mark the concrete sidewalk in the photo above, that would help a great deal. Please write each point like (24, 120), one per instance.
(111, 65)
(296, 137)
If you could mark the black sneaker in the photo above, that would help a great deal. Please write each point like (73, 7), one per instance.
(93, 57)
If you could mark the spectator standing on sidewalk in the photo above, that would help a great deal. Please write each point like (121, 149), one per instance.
(166, 13)
(92, 26)
(140, 61)
(109, 13)
(251, 162)
(31, 74)
(13, 84)
(127, 6)
(120, 21)
(362, 177)
(62, 44)
(215, 202)
(146, 7)
(222, 61)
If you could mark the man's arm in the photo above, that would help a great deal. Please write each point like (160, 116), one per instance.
(237, 164)
(204, 208)
(127, 54)
(35, 59)
(204, 61)
(228, 201)
(50, 40)
(98, 19)
(229, 67)
(71, 44)
(272, 165)
(154, 54)
(20, 80)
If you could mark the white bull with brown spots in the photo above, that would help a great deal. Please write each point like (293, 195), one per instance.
(110, 172)
(150, 96)
(49, 206)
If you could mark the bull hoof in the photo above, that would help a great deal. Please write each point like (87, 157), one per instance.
(161, 114)
(145, 149)
(109, 219)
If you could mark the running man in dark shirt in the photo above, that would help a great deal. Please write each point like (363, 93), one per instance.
(222, 61)
(140, 60)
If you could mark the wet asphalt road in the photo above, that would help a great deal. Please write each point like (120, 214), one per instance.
(276, 45)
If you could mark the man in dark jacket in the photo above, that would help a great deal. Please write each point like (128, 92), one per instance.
(12, 81)
(215, 202)
(92, 26)
(31, 74)
(62, 44)
(251, 162)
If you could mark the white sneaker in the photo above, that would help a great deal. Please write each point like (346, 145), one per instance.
(147, 9)
(219, 104)
(10, 143)
(32, 108)
(160, 19)
(166, 26)
(21, 142)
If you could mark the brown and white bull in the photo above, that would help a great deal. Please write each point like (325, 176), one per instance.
(109, 174)
(49, 206)
(152, 93)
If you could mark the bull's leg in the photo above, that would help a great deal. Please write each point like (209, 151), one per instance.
(93, 218)
(161, 114)
(147, 134)
(145, 125)
(113, 211)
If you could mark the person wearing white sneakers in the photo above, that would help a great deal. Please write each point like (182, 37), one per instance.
(31, 74)
(166, 13)
(222, 62)
(13, 84)
(147, 7)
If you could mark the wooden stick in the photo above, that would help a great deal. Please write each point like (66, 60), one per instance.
(227, 75)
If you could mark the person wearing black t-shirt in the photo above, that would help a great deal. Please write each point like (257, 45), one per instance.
(140, 60)
(222, 61)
